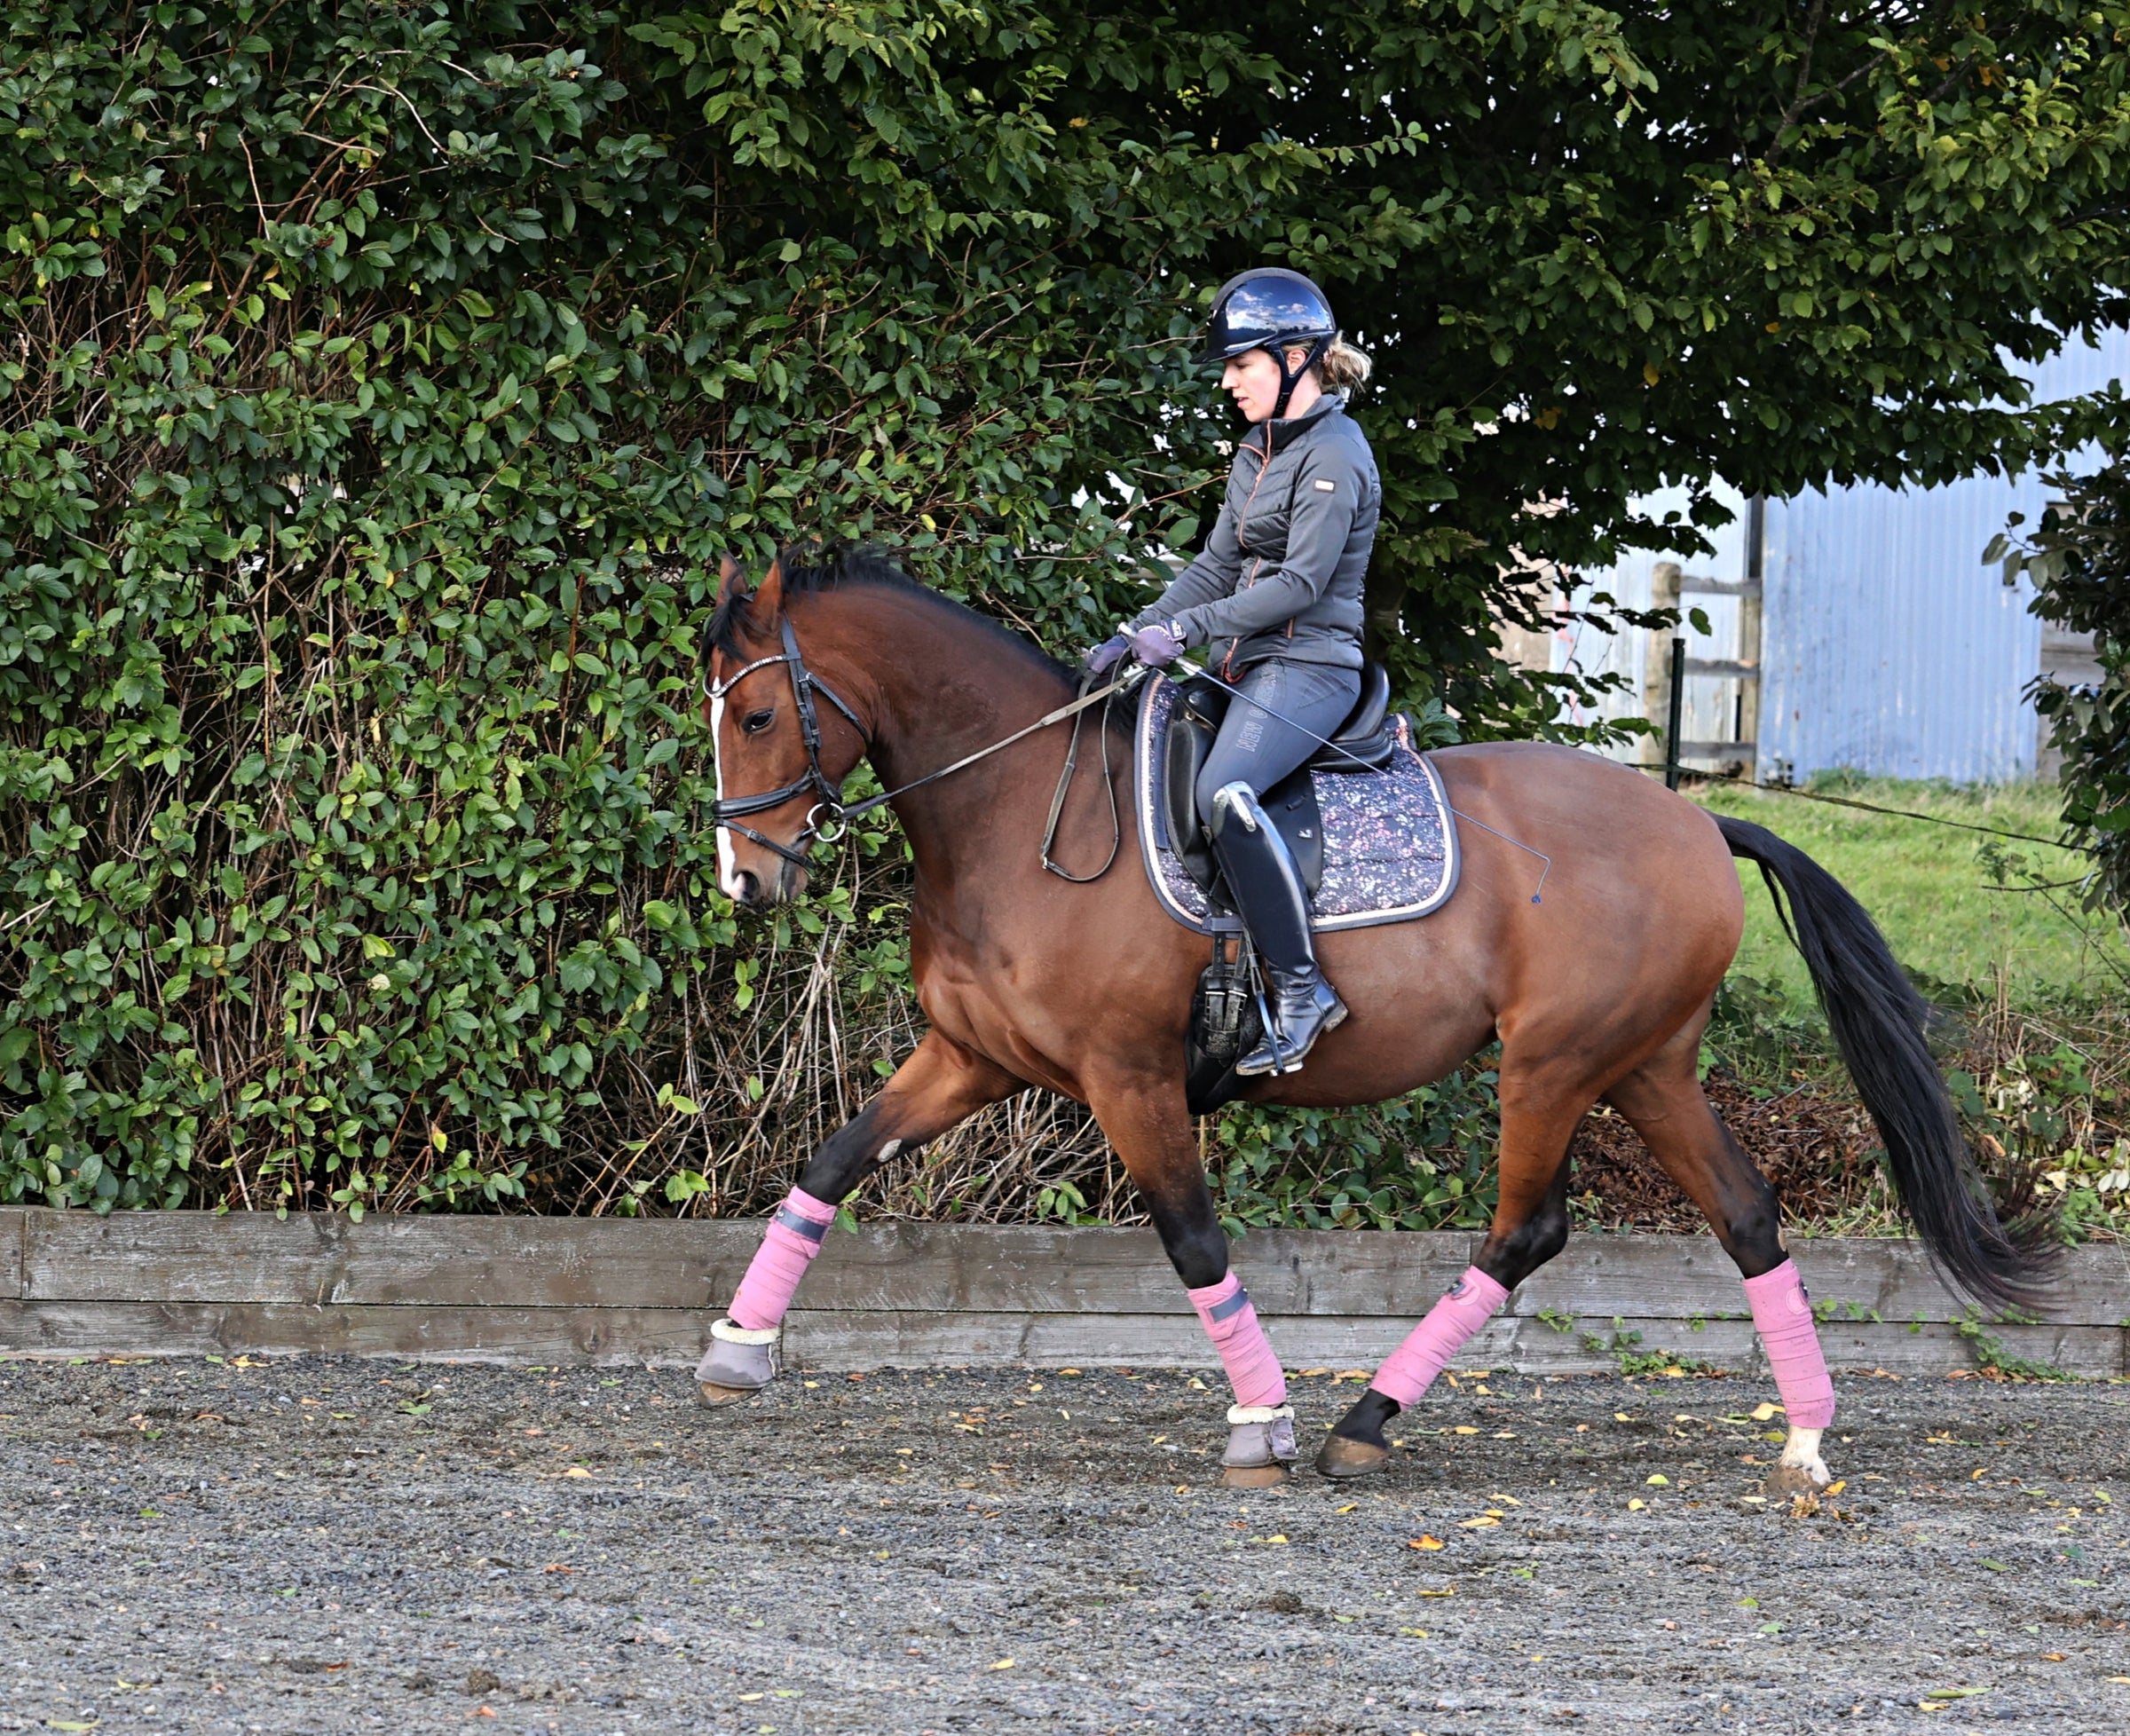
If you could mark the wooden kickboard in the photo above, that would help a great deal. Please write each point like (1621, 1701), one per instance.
(551, 1291)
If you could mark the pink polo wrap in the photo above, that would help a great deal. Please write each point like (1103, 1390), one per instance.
(1410, 1369)
(788, 1247)
(1231, 1322)
(1784, 1314)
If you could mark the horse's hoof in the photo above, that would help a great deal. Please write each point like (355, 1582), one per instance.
(738, 1364)
(1786, 1481)
(1340, 1458)
(1260, 1446)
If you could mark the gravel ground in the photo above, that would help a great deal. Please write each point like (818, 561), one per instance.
(319, 1545)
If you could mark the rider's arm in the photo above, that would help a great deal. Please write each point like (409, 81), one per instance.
(1316, 537)
(1211, 576)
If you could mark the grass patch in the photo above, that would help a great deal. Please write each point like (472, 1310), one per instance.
(1928, 888)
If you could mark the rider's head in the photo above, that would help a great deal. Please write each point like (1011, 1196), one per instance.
(1273, 333)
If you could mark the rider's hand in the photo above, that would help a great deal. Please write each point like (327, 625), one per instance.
(1157, 645)
(1107, 655)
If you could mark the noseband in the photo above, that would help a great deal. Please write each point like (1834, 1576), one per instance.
(727, 812)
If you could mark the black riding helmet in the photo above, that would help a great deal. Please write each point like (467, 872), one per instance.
(1273, 309)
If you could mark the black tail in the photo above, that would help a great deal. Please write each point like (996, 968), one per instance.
(1879, 1021)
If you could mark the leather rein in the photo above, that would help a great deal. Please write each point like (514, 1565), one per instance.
(727, 811)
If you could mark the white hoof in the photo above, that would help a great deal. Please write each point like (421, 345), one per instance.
(1799, 1472)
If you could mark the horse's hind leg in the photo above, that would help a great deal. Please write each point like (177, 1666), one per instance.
(1664, 1100)
(1539, 1110)
(940, 1084)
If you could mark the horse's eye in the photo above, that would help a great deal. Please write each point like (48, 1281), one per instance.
(756, 722)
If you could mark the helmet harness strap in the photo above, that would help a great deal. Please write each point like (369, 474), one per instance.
(1291, 377)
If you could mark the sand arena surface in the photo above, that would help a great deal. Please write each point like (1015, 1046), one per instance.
(319, 1544)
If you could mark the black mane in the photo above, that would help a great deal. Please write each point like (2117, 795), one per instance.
(809, 568)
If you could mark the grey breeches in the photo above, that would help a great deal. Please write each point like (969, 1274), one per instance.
(1258, 749)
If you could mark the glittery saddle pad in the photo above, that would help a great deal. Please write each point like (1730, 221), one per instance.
(1389, 848)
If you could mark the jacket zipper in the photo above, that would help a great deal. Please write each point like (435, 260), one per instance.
(1227, 663)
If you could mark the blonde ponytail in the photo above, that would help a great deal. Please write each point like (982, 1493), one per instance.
(1344, 368)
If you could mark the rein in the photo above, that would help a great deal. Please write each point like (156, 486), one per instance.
(727, 811)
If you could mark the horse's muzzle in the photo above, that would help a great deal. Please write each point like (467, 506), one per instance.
(785, 885)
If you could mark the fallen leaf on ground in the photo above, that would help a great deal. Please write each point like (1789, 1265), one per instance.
(1661, 1480)
(1476, 1524)
(1763, 1413)
(576, 1471)
(1425, 1542)
(1636, 1506)
(1003, 1663)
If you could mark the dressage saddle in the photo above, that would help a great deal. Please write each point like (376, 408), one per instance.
(1364, 742)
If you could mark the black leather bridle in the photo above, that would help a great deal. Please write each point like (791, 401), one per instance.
(727, 812)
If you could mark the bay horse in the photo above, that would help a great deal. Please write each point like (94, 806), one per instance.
(1599, 993)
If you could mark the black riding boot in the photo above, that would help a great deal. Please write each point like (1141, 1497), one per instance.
(1268, 894)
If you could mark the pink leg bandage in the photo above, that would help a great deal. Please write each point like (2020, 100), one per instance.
(1245, 1352)
(1410, 1369)
(788, 1247)
(1784, 1314)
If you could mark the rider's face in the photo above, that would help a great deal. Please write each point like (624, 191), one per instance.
(1252, 379)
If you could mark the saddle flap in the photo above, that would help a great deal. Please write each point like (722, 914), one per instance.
(1291, 804)
(1193, 724)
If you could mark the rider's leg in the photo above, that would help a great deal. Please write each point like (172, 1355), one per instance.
(941, 1083)
(1254, 750)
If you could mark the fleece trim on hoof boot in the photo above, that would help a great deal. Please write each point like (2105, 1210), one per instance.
(739, 1363)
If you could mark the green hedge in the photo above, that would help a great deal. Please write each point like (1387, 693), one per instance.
(380, 383)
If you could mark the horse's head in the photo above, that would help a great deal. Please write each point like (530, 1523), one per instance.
(785, 743)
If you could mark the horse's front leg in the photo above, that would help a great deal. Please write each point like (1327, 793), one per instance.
(1147, 1124)
(940, 1084)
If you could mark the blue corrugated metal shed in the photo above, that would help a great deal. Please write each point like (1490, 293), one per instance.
(1886, 644)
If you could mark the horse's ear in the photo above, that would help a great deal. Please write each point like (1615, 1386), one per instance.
(769, 595)
(728, 578)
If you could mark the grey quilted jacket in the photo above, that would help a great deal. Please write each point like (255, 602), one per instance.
(1281, 575)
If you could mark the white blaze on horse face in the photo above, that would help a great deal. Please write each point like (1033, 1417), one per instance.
(728, 869)
(1800, 1452)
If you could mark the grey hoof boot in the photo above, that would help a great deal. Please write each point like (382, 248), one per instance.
(739, 1362)
(1260, 1446)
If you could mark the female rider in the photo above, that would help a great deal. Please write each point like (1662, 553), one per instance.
(1275, 600)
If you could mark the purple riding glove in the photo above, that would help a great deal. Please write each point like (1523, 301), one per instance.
(1106, 656)
(1156, 644)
